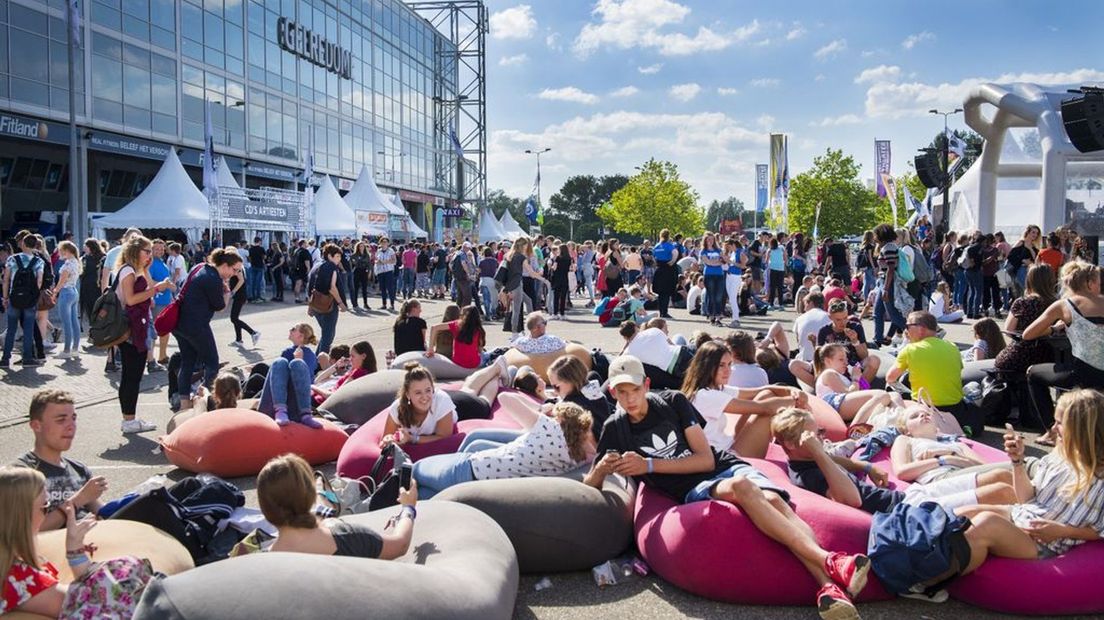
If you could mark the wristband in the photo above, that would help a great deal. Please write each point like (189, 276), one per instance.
(942, 463)
(867, 468)
(78, 560)
(1017, 461)
(651, 465)
(409, 512)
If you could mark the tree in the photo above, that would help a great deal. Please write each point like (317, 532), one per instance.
(730, 208)
(499, 203)
(654, 199)
(974, 143)
(578, 200)
(847, 207)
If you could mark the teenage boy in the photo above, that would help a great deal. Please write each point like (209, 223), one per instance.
(54, 424)
(658, 440)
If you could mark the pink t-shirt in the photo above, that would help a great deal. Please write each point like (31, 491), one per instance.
(409, 259)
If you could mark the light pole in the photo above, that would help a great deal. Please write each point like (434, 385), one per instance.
(946, 161)
(538, 153)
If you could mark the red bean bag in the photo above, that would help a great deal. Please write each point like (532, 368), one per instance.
(362, 450)
(711, 549)
(238, 442)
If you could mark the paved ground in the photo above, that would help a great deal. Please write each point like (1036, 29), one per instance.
(128, 460)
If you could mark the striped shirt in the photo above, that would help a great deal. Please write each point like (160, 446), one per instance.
(1050, 502)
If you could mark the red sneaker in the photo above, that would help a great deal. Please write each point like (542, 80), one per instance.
(849, 571)
(834, 604)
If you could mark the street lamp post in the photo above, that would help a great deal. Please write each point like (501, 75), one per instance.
(946, 161)
(538, 153)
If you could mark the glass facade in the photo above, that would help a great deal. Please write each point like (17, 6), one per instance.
(154, 63)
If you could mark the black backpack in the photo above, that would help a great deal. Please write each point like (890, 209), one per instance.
(23, 294)
(458, 272)
(109, 325)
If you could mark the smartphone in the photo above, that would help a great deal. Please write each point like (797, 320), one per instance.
(614, 453)
(405, 471)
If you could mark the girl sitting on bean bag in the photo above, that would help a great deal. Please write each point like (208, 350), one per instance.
(837, 384)
(287, 388)
(706, 384)
(286, 493)
(1061, 505)
(108, 588)
(361, 362)
(421, 413)
(468, 338)
(225, 394)
(549, 445)
(567, 377)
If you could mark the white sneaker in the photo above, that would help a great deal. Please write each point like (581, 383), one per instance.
(256, 338)
(137, 426)
(237, 343)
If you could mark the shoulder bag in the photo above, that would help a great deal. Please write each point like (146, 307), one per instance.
(166, 322)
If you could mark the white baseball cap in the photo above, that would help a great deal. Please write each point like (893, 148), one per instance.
(626, 369)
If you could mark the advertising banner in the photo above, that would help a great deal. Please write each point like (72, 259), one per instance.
(761, 191)
(881, 165)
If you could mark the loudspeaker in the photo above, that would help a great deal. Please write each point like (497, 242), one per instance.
(929, 171)
(1083, 117)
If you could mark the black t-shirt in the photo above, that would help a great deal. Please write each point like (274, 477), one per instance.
(409, 336)
(423, 262)
(355, 540)
(441, 257)
(828, 335)
(838, 253)
(1018, 254)
(599, 409)
(62, 482)
(256, 257)
(563, 267)
(647, 256)
(808, 476)
(662, 435)
(515, 268)
(303, 261)
(324, 277)
(865, 253)
(973, 254)
(755, 261)
(233, 282)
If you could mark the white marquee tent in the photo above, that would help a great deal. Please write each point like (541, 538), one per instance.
(171, 200)
(489, 228)
(225, 177)
(407, 224)
(510, 227)
(365, 195)
(332, 216)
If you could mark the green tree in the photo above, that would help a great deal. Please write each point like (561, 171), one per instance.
(578, 200)
(846, 206)
(730, 208)
(499, 203)
(654, 199)
(974, 143)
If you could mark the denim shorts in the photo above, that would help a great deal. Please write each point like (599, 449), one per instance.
(438, 277)
(704, 489)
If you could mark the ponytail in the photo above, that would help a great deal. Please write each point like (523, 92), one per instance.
(822, 353)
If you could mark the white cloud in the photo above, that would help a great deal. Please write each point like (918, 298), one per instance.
(513, 61)
(553, 41)
(514, 23)
(625, 91)
(626, 24)
(889, 100)
(881, 73)
(766, 82)
(569, 93)
(868, 53)
(820, 77)
(765, 121)
(685, 92)
(830, 50)
(727, 92)
(913, 40)
(796, 32)
(650, 69)
(835, 121)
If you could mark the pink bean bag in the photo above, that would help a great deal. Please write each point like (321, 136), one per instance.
(987, 453)
(362, 450)
(711, 549)
(826, 417)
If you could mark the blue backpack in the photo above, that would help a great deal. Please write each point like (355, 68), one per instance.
(917, 548)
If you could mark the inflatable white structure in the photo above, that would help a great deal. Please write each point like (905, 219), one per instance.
(1026, 185)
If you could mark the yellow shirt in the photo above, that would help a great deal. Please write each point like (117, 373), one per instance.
(935, 364)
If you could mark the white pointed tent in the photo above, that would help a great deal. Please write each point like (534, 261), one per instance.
(510, 227)
(489, 228)
(225, 177)
(332, 217)
(171, 200)
(365, 195)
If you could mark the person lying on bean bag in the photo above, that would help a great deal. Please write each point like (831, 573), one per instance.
(421, 413)
(568, 379)
(547, 445)
(361, 362)
(287, 495)
(287, 388)
(656, 439)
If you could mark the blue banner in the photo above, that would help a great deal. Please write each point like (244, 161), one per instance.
(881, 165)
(760, 187)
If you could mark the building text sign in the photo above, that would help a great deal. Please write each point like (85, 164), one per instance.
(314, 47)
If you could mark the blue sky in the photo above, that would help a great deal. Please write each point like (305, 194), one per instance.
(608, 83)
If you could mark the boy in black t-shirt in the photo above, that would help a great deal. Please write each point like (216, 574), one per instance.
(658, 440)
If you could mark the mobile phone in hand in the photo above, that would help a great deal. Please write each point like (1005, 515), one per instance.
(405, 473)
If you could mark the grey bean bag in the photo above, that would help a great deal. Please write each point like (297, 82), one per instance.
(556, 524)
(360, 400)
(460, 565)
(443, 368)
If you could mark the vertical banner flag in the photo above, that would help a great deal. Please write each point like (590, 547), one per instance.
(456, 147)
(891, 193)
(210, 176)
(779, 179)
(955, 145)
(881, 165)
(74, 22)
(308, 190)
(760, 187)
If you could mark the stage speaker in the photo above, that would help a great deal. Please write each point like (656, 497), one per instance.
(929, 171)
(1083, 117)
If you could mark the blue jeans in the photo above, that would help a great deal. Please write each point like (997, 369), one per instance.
(328, 323)
(437, 473)
(704, 489)
(387, 286)
(634, 274)
(715, 292)
(196, 347)
(256, 288)
(973, 291)
(960, 287)
(482, 439)
(486, 292)
(68, 308)
(408, 283)
(870, 280)
(26, 318)
(881, 309)
(287, 386)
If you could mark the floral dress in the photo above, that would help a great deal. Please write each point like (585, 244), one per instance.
(1019, 355)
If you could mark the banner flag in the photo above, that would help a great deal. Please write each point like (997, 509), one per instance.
(761, 191)
(891, 193)
(308, 169)
(955, 145)
(779, 179)
(210, 175)
(456, 147)
(882, 164)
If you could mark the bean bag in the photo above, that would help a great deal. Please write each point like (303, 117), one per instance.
(826, 418)
(556, 524)
(179, 418)
(361, 452)
(989, 454)
(460, 566)
(975, 371)
(358, 401)
(114, 538)
(541, 362)
(713, 550)
(443, 368)
(238, 442)
(971, 371)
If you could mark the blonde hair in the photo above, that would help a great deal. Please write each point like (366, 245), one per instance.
(19, 489)
(71, 248)
(569, 369)
(575, 423)
(1077, 275)
(286, 493)
(131, 256)
(1082, 438)
(308, 333)
(822, 353)
(413, 372)
(788, 424)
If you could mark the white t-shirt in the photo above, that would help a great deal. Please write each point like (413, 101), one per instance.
(650, 346)
(938, 306)
(177, 271)
(711, 405)
(112, 257)
(244, 254)
(809, 324)
(693, 297)
(123, 273)
(441, 407)
(540, 452)
(747, 376)
(316, 255)
(71, 267)
(385, 261)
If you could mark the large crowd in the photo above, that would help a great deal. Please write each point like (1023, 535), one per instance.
(657, 411)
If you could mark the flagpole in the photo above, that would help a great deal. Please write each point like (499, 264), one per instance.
(76, 219)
